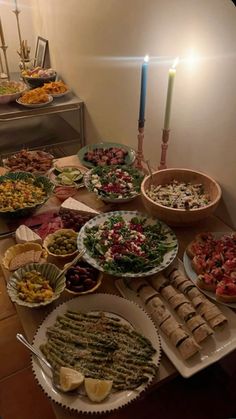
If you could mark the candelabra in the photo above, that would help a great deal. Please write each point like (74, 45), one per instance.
(164, 146)
(17, 12)
(4, 49)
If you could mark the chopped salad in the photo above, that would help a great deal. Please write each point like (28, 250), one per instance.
(179, 195)
(134, 246)
(115, 182)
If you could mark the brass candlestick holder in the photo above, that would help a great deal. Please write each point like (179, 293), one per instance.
(164, 146)
(1, 65)
(17, 12)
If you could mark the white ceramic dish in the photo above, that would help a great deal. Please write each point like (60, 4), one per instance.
(128, 215)
(121, 307)
(213, 349)
(35, 105)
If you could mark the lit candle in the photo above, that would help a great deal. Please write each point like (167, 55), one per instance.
(1, 34)
(143, 91)
(15, 1)
(172, 72)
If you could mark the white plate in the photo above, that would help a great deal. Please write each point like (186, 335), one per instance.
(56, 95)
(127, 215)
(213, 349)
(193, 276)
(127, 310)
(35, 105)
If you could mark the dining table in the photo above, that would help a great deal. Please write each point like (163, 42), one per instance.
(32, 318)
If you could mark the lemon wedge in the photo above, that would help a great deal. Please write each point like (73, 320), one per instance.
(97, 390)
(70, 379)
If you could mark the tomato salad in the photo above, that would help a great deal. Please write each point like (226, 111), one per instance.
(134, 246)
(115, 182)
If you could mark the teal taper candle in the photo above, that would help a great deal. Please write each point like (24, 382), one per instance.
(143, 92)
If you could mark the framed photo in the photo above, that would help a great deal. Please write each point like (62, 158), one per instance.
(40, 52)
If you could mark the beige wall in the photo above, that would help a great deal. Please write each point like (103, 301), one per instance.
(86, 39)
(9, 24)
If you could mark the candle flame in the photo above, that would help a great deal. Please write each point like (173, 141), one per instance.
(175, 63)
(146, 58)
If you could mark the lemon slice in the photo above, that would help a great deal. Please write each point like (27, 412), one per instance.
(97, 390)
(70, 379)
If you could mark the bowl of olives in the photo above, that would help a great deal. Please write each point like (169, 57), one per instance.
(62, 243)
(82, 278)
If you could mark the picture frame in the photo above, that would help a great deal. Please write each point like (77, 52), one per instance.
(40, 52)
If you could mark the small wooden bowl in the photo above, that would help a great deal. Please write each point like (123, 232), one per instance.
(174, 216)
(99, 281)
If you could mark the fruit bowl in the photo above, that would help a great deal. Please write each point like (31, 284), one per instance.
(180, 216)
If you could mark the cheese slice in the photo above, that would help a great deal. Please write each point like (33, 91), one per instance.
(25, 235)
(73, 204)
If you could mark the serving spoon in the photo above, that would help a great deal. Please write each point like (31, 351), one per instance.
(55, 383)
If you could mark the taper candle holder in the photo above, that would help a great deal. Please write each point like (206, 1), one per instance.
(17, 12)
(4, 49)
(164, 146)
(139, 154)
(1, 65)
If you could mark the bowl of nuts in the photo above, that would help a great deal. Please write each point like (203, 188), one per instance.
(82, 278)
(61, 244)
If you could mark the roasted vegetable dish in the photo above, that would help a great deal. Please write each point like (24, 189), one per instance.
(100, 346)
(29, 161)
(106, 156)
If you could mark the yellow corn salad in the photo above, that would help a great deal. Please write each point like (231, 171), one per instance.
(19, 194)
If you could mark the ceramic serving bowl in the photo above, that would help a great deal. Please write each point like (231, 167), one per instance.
(50, 239)
(34, 82)
(175, 216)
(48, 271)
(82, 279)
(11, 97)
(21, 249)
(38, 181)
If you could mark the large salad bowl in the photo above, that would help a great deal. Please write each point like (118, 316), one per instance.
(127, 244)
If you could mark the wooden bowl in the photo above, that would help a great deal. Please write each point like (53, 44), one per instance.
(50, 238)
(174, 216)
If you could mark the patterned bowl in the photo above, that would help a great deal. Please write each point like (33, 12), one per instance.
(49, 271)
(22, 248)
(11, 97)
(40, 181)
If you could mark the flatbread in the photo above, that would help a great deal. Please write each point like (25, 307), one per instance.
(21, 259)
(37, 255)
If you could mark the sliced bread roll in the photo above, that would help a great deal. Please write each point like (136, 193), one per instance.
(178, 336)
(146, 293)
(188, 348)
(186, 286)
(195, 322)
(193, 292)
(159, 282)
(135, 284)
(202, 332)
(218, 321)
(168, 292)
(185, 311)
(169, 326)
(177, 300)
